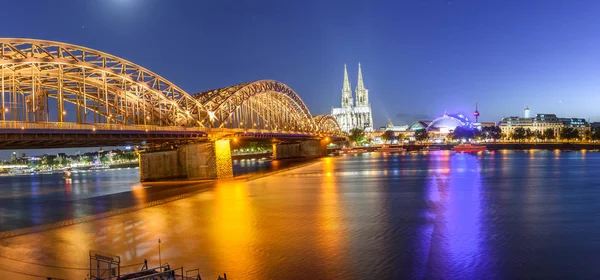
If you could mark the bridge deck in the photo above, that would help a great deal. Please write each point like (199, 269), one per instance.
(26, 135)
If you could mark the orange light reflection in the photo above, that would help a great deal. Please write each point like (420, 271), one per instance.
(232, 226)
(330, 218)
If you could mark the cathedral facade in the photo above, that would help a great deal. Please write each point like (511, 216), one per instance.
(354, 115)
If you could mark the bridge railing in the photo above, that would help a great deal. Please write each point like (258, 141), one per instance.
(92, 127)
(148, 128)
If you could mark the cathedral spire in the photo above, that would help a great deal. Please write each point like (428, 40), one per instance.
(360, 84)
(346, 80)
(346, 91)
(362, 94)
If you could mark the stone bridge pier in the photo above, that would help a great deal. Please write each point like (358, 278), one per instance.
(206, 160)
(302, 149)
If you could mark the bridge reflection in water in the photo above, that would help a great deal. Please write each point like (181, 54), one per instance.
(419, 216)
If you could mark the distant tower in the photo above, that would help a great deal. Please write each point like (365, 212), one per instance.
(526, 112)
(476, 113)
(346, 91)
(362, 94)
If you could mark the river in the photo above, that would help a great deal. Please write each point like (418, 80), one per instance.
(436, 215)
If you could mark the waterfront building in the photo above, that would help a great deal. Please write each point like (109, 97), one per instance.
(397, 129)
(418, 125)
(353, 114)
(392, 127)
(541, 122)
(594, 125)
(448, 122)
(440, 127)
(580, 124)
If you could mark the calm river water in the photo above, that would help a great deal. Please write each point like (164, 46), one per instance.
(437, 215)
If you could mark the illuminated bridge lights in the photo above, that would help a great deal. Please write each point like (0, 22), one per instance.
(48, 82)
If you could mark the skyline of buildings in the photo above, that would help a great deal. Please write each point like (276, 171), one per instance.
(538, 124)
(526, 113)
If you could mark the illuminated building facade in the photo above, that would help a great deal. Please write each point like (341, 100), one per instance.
(392, 127)
(354, 115)
(541, 122)
(580, 124)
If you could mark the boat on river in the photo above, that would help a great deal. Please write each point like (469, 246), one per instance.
(351, 150)
(391, 149)
(469, 148)
(67, 173)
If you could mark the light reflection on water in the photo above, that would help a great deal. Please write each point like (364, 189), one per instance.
(440, 215)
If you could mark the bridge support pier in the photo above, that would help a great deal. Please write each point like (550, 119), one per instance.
(306, 149)
(208, 160)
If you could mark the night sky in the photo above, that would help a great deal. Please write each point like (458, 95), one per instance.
(419, 57)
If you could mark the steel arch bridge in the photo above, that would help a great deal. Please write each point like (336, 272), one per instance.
(53, 85)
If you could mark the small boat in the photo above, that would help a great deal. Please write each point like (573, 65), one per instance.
(469, 148)
(350, 150)
(357, 151)
(67, 174)
(391, 149)
(432, 148)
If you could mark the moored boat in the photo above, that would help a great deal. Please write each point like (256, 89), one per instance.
(350, 150)
(357, 151)
(469, 148)
(391, 149)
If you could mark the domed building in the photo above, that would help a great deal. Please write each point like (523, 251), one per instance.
(448, 122)
(439, 128)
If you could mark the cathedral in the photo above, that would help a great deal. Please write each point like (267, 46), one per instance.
(351, 115)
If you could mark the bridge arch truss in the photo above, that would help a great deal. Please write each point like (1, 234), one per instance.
(40, 79)
(52, 82)
(327, 124)
(260, 105)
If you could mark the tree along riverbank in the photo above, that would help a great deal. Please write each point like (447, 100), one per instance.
(506, 146)
(523, 146)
